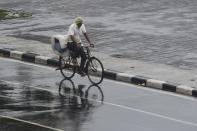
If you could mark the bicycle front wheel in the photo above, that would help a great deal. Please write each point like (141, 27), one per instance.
(95, 68)
(67, 70)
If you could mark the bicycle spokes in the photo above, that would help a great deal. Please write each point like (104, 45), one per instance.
(95, 68)
(66, 69)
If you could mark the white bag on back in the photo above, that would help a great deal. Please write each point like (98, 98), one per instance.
(59, 45)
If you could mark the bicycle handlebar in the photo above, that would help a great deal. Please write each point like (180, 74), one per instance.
(85, 45)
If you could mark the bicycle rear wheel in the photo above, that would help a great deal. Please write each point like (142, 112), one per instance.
(67, 70)
(95, 68)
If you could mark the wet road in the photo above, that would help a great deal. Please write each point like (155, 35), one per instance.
(30, 99)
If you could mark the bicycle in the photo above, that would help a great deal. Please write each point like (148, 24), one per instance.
(93, 66)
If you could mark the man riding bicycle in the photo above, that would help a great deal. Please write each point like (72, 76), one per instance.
(74, 42)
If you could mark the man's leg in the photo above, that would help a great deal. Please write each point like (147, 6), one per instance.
(73, 47)
(78, 51)
(83, 58)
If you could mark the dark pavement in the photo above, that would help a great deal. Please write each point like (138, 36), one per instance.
(30, 99)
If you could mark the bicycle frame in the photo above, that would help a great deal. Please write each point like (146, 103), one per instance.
(87, 51)
(88, 56)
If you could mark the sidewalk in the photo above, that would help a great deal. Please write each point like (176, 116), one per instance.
(151, 70)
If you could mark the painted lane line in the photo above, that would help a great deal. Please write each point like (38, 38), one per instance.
(153, 114)
(31, 123)
(129, 108)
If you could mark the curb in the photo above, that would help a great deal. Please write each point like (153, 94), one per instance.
(137, 80)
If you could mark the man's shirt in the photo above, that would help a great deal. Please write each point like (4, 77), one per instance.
(76, 32)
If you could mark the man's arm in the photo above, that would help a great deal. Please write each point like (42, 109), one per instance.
(87, 38)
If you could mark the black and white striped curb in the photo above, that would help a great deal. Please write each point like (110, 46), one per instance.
(113, 75)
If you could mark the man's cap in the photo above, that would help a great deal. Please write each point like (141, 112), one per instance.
(78, 20)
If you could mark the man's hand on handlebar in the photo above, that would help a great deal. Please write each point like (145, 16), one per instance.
(78, 45)
(91, 45)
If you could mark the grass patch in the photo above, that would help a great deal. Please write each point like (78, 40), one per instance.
(3, 14)
(6, 14)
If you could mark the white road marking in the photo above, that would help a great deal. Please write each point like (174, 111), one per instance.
(124, 107)
(32, 123)
(154, 114)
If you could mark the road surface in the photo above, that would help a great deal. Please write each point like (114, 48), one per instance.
(30, 100)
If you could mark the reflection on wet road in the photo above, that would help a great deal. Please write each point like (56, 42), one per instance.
(73, 105)
(79, 95)
(33, 103)
(37, 98)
